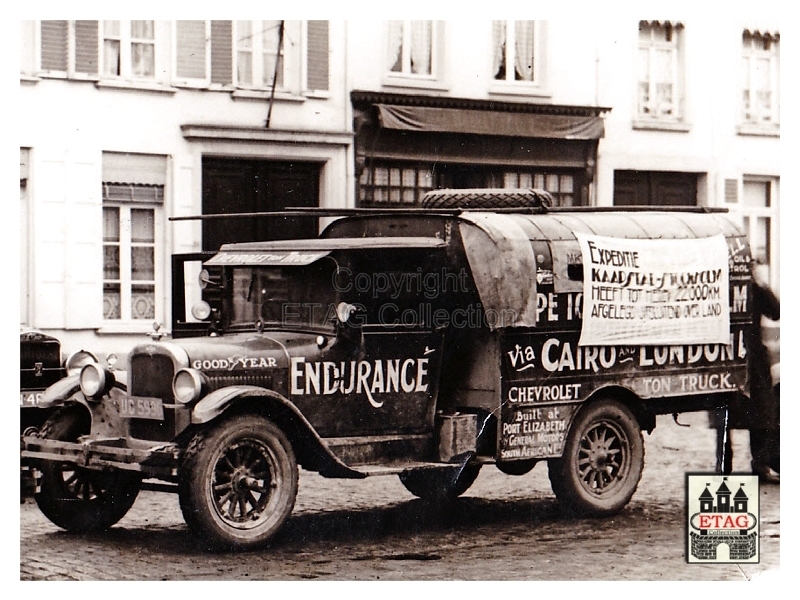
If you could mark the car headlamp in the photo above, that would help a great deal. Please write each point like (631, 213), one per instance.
(77, 360)
(95, 380)
(201, 311)
(188, 385)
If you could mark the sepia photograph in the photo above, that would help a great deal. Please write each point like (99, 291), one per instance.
(368, 299)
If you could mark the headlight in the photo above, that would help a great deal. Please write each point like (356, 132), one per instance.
(95, 380)
(201, 311)
(77, 360)
(188, 385)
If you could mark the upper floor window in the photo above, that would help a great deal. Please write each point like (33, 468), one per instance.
(97, 49)
(514, 51)
(411, 47)
(259, 53)
(759, 78)
(251, 54)
(129, 49)
(68, 48)
(660, 71)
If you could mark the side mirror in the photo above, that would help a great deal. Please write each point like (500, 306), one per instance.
(204, 279)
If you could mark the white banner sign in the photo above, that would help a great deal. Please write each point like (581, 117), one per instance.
(646, 292)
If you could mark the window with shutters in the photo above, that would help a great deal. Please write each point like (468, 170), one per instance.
(107, 50)
(69, 48)
(252, 55)
(759, 76)
(133, 199)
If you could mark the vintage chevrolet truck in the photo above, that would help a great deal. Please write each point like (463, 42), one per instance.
(486, 328)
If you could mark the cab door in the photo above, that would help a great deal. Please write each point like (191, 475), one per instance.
(383, 369)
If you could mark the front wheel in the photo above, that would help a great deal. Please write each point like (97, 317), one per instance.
(440, 484)
(238, 482)
(78, 499)
(602, 461)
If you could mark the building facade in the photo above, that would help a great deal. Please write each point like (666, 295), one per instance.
(130, 122)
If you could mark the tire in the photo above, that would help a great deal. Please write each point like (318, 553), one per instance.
(238, 483)
(440, 485)
(517, 467)
(602, 462)
(486, 199)
(77, 499)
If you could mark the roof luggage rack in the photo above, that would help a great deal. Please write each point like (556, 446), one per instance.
(453, 202)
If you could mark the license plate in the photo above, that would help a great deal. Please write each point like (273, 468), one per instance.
(30, 398)
(136, 407)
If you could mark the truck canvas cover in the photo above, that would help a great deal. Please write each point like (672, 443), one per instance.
(500, 252)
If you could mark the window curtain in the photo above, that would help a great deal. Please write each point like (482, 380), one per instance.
(112, 47)
(524, 49)
(499, 48)
(421, 47)
(395, 41)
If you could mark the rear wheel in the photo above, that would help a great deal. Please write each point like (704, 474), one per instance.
(78, 499)
(602, 461)
(238, 482)
(440, 484)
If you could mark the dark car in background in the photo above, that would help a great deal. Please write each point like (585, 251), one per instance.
(41, 365)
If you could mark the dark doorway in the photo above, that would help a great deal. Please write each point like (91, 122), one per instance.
(246, 186)
(654, 188)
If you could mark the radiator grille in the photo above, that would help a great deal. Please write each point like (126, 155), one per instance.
(151, 375)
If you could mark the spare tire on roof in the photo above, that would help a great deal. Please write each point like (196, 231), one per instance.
(487, 198)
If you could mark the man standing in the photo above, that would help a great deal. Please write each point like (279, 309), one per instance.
(761, 413)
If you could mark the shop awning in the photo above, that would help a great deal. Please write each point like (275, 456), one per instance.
(484, 122)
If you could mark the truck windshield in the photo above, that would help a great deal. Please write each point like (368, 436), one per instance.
(299, 297)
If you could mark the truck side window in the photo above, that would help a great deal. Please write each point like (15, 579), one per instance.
(575, 272)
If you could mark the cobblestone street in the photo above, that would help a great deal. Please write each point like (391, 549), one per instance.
(504, 528)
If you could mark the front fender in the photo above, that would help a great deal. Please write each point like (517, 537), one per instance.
(218, 401)
(215, 403)
(68, 389)
(63, 390)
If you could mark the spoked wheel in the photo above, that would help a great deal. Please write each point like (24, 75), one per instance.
(602, 461)
(238, 483)
(78, 499)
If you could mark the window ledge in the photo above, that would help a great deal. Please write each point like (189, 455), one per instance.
(136, 86)
(422, 83)
(655, 125)
(519, 89)
(27, 78)
(132, 327)
(317, 94)
(758, 130)
(262, 95)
